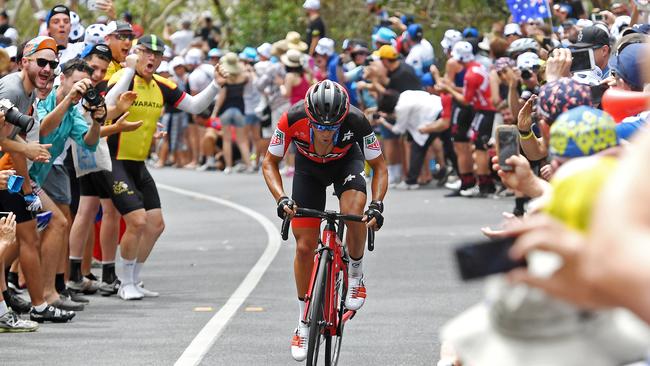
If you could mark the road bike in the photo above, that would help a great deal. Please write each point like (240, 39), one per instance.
(325, 311)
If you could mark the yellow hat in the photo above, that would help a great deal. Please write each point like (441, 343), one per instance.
(294, 42)
(388, 52)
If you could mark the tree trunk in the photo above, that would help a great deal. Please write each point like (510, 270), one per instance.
(165, 13)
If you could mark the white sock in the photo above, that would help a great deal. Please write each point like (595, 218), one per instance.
(395, 172)
(3, 308)
(136, 272)
(210, 161)
(301, 308)
(128, 267)
(40, 308)
(356, 268)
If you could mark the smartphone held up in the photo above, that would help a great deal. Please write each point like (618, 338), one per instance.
(507, 138)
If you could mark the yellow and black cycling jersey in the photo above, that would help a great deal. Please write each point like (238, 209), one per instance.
(147, 107)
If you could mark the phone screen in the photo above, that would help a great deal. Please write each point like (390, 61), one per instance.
(480, 259)
(4, 214)
(507, 145)
(582, 60)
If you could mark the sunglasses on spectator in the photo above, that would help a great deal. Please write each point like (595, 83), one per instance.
(42, 62)
(124, 36)
(325, 128)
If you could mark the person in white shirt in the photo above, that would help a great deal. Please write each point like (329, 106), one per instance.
(180, 39)
(411, 109)
(420, 56)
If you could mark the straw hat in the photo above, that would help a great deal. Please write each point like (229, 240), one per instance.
(230, 63)
(294, 42)
(279, 48)
(292, 58)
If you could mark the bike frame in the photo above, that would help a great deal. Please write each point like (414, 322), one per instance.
(331, 244)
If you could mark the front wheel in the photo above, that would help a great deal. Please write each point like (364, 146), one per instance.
(333, 342)
(317, 309)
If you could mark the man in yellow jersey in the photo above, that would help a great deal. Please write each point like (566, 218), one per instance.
(134, 192)
(119, 38)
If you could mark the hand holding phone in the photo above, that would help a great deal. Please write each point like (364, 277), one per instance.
(507, 145)
(480, 259)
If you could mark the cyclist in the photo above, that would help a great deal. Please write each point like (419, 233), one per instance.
(134, 192)
(333, 140)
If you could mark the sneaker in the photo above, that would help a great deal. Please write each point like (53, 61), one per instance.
(251, 169)
(206, 167)
(74, 296)
(65, 303)
(11, 323)
(129, 292)
(454, 186)
(356, 296)
(145, 292)
(17, 303)
(474, 191)
(85, 286)
(51, 314)
(299, 342)
(443, 176)
(92, 277)
(227, 170)
(108, 289)
(16, 288)
(408, 187)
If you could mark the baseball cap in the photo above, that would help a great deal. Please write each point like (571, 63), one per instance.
(40, 43)
(384, 35)
(249, 54)
(263, 50)
(311, 4)
(512, 28)
(175, 62)
(427, 80)
(152, 42)
(470, 32)
(592, 37)
(194, 56)
(325, 47)
(463, 51)
(582, 131)
(118, 26)
(57, 9)
(215, 52)
(451, 37)
(561, 95)
(626, 64)
(387, 52)
(528, 60)
(97, 49)
(415, 32)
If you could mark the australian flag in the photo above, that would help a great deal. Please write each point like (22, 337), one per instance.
(524, 10)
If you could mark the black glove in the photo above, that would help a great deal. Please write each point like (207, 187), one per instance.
(374, 211)
(284, 201)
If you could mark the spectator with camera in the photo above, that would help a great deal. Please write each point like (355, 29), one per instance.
(594, 40)
(38, 63)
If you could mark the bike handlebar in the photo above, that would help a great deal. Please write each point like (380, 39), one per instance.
(326, 215)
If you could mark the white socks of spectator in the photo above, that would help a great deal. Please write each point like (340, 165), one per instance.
(356, 268)
(394, 173)
(40, 308)
(210, 161)
(301, 309)
(3, 308)
(136, 272)
(128, 267)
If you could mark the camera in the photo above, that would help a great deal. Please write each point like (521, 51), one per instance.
(92, 97)
(15, 117)
(376, 116)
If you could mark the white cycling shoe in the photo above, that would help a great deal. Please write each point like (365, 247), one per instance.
(129, 292)
(299, 342)
(356, 296)
(147, 293)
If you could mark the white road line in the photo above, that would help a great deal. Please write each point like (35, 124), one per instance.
(203, 341)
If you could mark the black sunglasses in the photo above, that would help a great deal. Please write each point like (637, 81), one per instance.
(79, 67)
(124, 36)
(41, 62)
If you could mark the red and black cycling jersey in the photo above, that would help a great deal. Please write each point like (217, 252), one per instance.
(294, 126)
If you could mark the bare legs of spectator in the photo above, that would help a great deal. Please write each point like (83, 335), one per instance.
(109, 231)
(193, 134)
(30, 259)
(393, 159)
(243, 145)
(254, 134)
(82, 225)
(53, 247)
(465, 164)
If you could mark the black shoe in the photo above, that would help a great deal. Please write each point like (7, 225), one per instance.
(18, 304)
(51, 314)
(74, 296)
(91, 277)
(108, 289)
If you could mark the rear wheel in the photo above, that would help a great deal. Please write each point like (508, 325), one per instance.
(317, 309)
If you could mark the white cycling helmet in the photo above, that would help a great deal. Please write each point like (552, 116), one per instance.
(451, 37)
(463, 52)
(523, 45)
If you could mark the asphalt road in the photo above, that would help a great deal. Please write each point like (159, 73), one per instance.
(208, 249)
